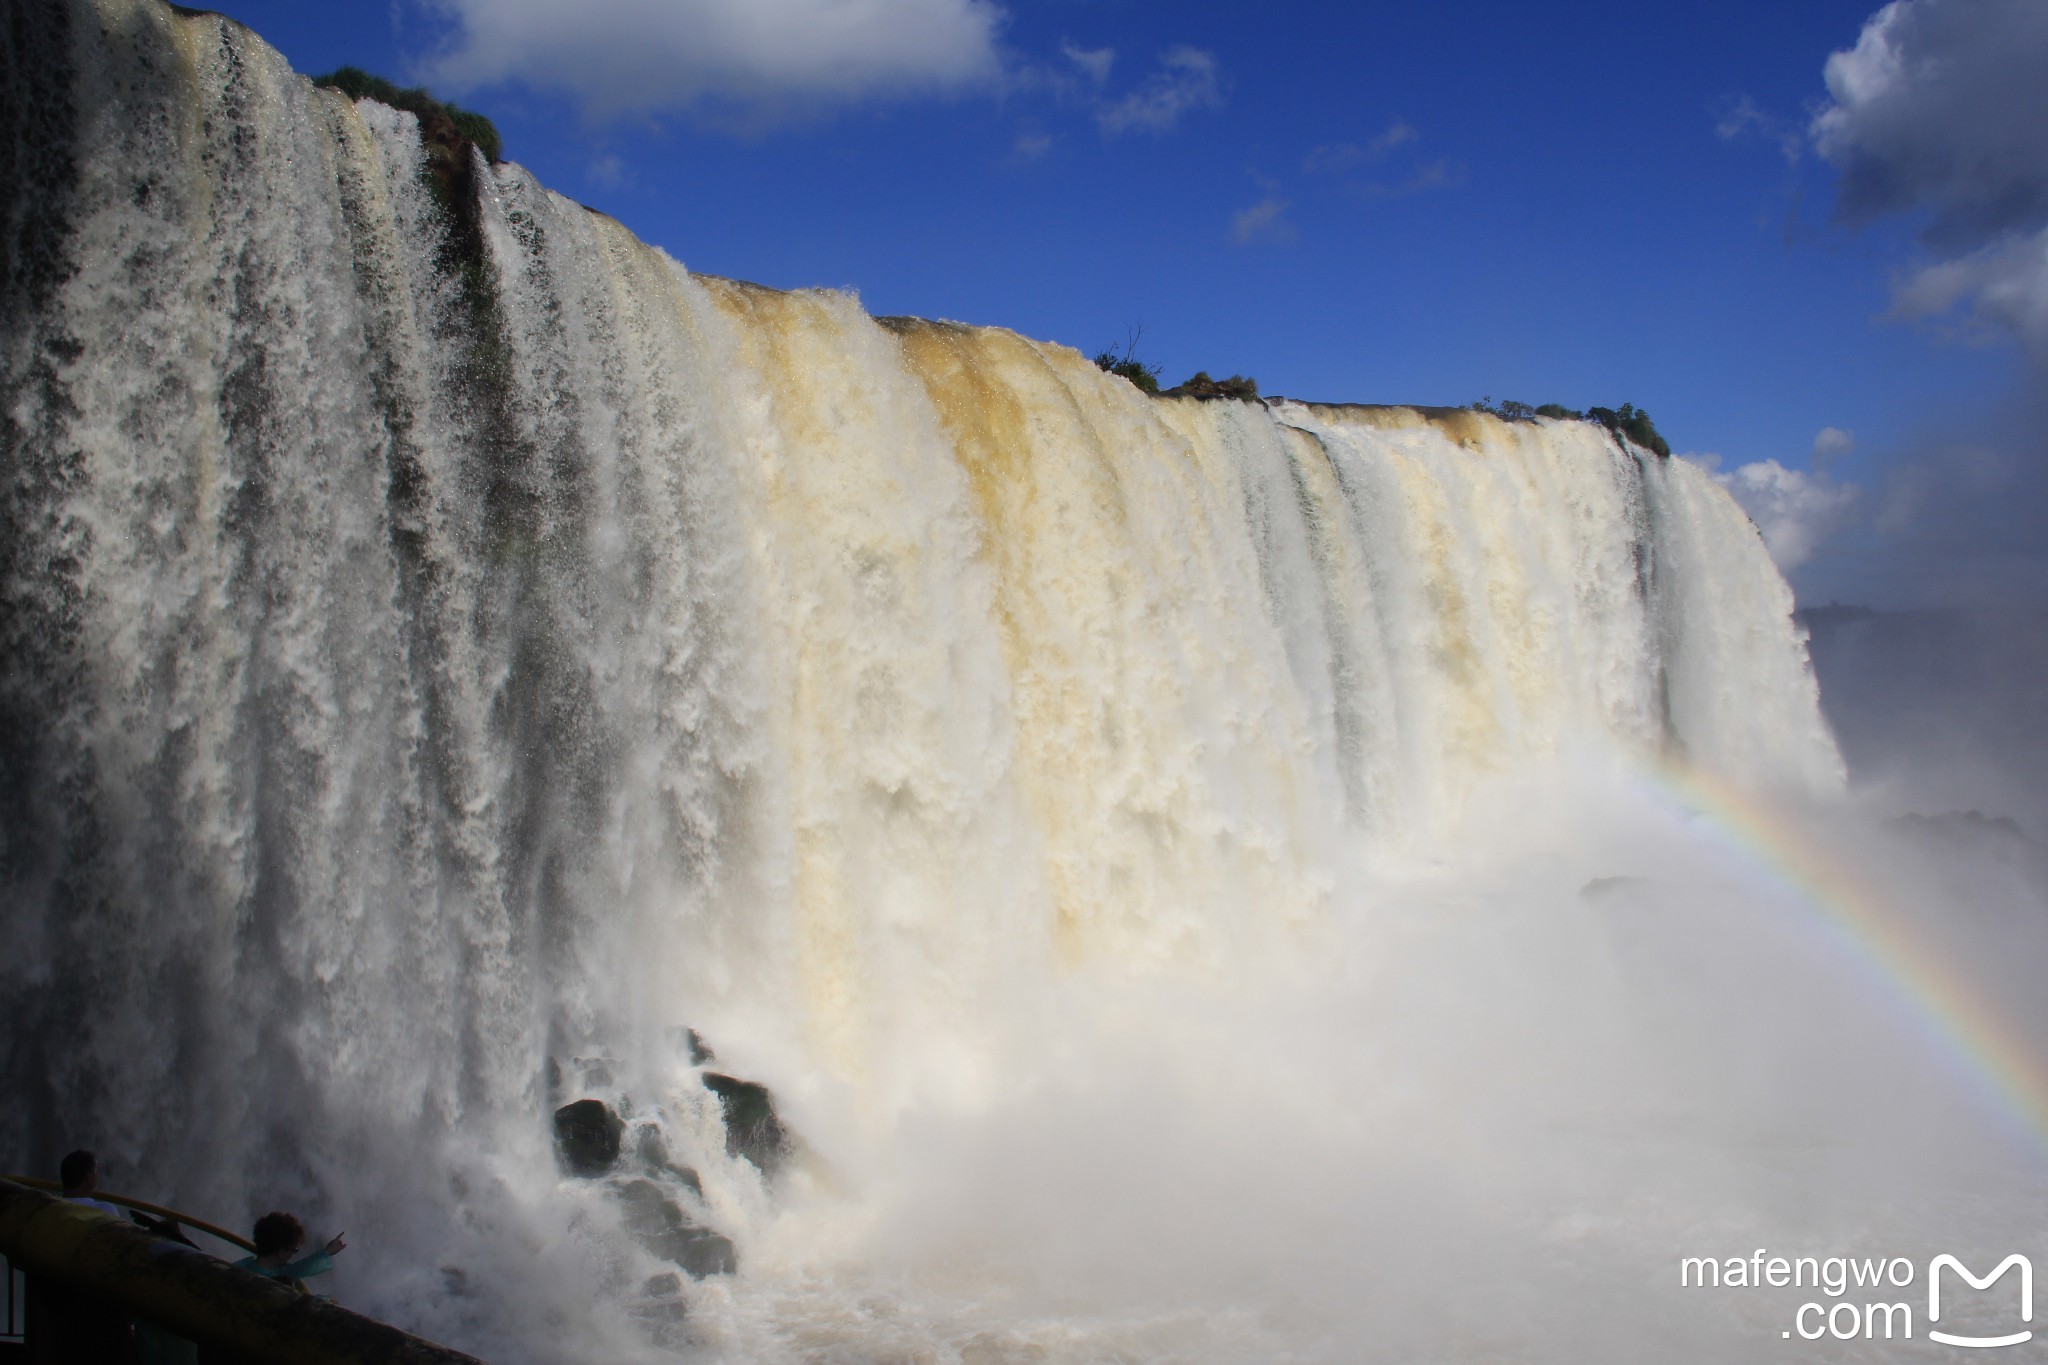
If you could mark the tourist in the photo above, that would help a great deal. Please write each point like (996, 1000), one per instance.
(80, 1174)
(278, 1239)
(71, 1325)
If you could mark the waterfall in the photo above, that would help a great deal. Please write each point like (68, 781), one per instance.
(451, 650)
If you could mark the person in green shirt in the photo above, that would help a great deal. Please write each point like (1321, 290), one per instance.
(278, 1239)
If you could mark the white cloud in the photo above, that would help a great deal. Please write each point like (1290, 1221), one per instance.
(1348, 160)
(1399, 133)
(1942, 105)
(1094, 62)
(1941, 110)
(1031, 146)
(1739, 118)
(1432, 175)
(767, 56)
(1744, 116)
(1186, 80)
(1831, 443)
(1794, 510)
(2002, 287)
(1340, 157)
(1334, 159)
(1265, 221)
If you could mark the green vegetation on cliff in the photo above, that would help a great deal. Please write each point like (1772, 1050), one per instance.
(446, 128)
(1200, 385)
(1628, 420)
(1124, 363)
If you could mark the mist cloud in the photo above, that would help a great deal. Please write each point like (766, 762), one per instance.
(619, 57)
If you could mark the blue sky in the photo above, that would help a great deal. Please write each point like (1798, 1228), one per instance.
(1584, 203)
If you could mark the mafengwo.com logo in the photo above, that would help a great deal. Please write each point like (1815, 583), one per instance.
(1873, 1298)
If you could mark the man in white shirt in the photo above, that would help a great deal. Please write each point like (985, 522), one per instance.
(80, 1173)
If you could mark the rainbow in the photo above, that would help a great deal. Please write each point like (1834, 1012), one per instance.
(1874, 933)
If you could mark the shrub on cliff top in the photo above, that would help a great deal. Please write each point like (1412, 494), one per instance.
(1144, 376)
(1200, 385)
(1126, 365)
(1508, 410)
(1632, 422)
(1628, 420)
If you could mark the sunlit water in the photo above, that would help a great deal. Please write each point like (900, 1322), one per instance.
(1203, 881)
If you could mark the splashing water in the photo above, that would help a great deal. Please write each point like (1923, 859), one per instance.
(1187, 871)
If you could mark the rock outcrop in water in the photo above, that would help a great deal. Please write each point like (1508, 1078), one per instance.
(752, 1129)
(588, 1141)
(663, 1228)
(587, 1137)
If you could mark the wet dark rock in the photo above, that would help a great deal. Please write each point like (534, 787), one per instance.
(587, 1137)
(662, 1310)
(652, 1149)
(752, 1129)
(664, 1229)
(689, 1043)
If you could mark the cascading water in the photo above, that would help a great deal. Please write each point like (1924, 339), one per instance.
(451, 650)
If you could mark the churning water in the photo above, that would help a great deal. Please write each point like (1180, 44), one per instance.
(1204, 882)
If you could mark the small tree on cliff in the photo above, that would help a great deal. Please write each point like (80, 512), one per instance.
(1126, 365)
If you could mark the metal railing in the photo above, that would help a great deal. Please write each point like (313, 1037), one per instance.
(183, 1220)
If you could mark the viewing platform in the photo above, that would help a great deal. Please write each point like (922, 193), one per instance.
(89, 1257)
